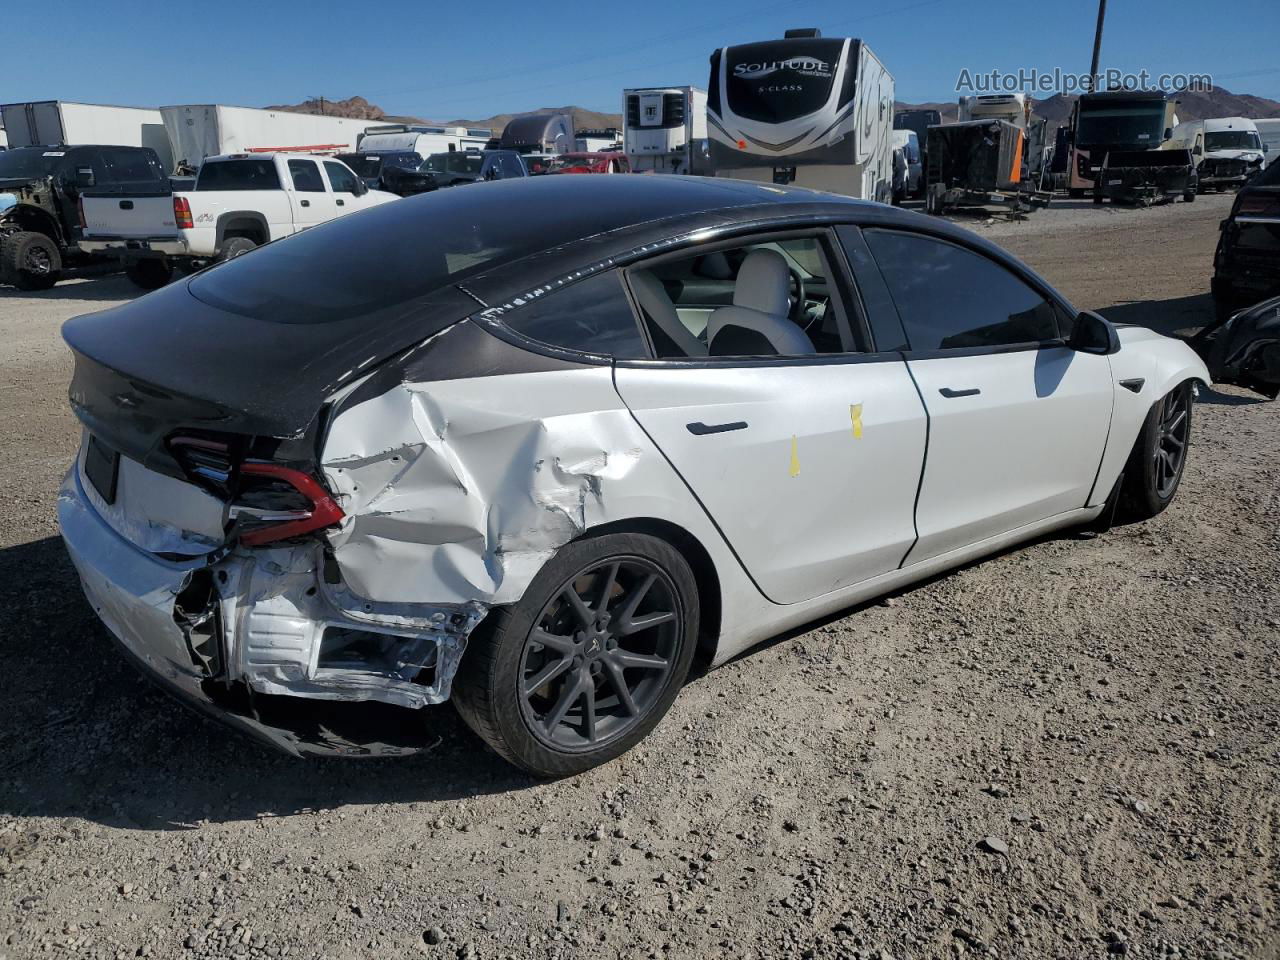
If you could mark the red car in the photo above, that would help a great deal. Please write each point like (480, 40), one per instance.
(589, 163)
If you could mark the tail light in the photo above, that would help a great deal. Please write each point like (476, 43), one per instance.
(182, 213)
(80, 212)
(277, 503)
(1257, 204)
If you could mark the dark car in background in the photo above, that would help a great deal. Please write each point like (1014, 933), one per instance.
(398, 172)
(1246, 265)
(454, 167)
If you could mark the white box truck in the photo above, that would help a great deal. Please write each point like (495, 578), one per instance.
(60, 122)
(199, 130)
(664, 129)
(811, 110)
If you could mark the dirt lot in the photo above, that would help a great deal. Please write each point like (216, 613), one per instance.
(1070, 750)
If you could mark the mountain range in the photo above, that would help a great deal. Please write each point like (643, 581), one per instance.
(1056, 109)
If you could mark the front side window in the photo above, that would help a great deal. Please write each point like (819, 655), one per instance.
(950, 298)
(340, 178)
(591, 316)
(247, 174)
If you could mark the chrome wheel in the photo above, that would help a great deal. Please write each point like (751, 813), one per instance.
(600, 654)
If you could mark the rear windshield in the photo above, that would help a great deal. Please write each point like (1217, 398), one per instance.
(248, 174)
(132, 165)
(367, 261)
(29, 162)
(364, 164)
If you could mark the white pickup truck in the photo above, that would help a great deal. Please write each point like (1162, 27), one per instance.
(240, 201)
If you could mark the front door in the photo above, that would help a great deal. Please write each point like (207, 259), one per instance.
(1017, 420)
(311, 201)
(807, 463)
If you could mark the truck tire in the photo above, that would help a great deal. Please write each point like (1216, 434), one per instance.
(31, 261)
(1189, 196)
(1075, 193)
(149, 274)
(1097, 199)
(234, 247)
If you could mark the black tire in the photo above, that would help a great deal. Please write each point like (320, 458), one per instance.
(1150, 482)
(234, 247)
(32, 261)
(1097, 198)
(490, 692)
(1189, 196)
(150, 274)
(1075, 193)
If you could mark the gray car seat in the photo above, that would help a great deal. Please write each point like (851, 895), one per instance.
(758, 323)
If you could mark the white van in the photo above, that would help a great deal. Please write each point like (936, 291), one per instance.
(1269, 131)
(1227, 150)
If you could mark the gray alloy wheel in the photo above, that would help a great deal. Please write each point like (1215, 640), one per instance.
(588, 661)
(1154, 469)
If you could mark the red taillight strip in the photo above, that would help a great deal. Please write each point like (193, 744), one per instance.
(324, 512)
(182, 213)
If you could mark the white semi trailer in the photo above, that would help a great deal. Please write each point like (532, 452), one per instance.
(812, 110)
(202, 130)
(50, 122)
(665, 129)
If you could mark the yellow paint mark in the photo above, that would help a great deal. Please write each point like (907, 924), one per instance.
(795, 457)
(855, 415)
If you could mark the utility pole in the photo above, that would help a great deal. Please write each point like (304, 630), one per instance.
(1097, 46)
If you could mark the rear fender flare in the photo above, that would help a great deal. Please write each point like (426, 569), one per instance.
(241, 223)
(25, 217)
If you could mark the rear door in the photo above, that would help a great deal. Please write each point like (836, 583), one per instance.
(808, 464)
(311, 200)
(1017, 420)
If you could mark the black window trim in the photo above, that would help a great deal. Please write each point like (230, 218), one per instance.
(1029, 279)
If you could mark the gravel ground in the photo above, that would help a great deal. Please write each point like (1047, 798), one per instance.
(1069, 750)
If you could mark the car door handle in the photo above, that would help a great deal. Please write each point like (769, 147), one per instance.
(126, 204)
(952, 394)
(306, 203)
(342, 203)
(700, 429)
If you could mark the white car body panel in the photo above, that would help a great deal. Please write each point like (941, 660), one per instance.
(817, 492)
(1026, 447)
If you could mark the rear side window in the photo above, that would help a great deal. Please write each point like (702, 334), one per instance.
(247, 174)
(131, 166)
(592, 316)
(950, 298)
(340, 178)
(305, 176)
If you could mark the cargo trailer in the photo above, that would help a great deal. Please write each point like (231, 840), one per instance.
(664, 129)
(61, 122)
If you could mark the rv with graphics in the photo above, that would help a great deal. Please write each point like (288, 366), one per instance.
(665, 129)
(812, 110)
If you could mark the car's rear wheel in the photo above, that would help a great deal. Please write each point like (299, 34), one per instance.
(1154, 470)
(149, 274)
(589, 660)
(31, 260)
(235, 247)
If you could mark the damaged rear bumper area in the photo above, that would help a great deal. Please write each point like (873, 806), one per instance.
(236, 635)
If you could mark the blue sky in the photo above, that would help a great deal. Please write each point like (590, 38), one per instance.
(443, 60)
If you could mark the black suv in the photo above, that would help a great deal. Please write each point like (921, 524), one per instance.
(40, 189)
(455, 167)
(1246, 265)
(398, 172)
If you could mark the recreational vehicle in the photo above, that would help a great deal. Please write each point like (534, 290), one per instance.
(806, 109)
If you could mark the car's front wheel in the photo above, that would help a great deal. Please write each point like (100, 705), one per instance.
(588, 661)
(1155, 466)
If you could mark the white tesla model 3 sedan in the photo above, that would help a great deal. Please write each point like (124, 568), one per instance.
(527, 445)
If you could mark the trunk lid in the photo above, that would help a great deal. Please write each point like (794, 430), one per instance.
(169, 362)
(133, 215)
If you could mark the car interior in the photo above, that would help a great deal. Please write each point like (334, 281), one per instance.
(761, 299)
